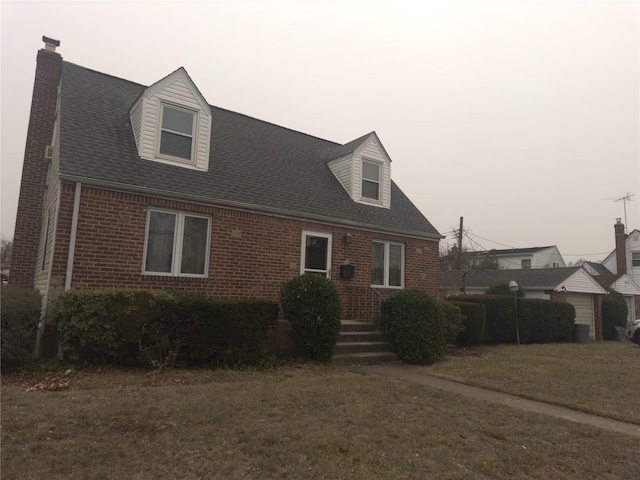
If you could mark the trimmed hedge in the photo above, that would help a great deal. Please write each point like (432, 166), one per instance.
(415, 326)
(20, 313)
(473, 320)
(539, 321)
(162, 327)
(453, 326)
(311, 304)
(614, 314)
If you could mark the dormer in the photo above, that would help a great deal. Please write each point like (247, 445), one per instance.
(171, 123)
(363, 168)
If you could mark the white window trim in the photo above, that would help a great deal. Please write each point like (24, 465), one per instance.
(380, 182)
(177, 245)
(303, 251)
(386, 264)
(194, 134)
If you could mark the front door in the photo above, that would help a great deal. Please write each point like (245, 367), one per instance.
(316, 253)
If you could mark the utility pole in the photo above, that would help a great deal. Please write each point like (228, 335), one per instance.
(459, 259)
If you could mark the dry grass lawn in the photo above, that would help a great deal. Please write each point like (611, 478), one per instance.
(296, 422)
(601, 378)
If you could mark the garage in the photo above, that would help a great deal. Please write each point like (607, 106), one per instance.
(583, 303)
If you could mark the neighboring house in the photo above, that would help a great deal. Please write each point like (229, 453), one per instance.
(5, 269)
(573, 285)
(519, 258)
(151, 187)
(625, 259)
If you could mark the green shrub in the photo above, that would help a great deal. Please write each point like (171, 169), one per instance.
(20, 313)
(473, 321)
(311, 304)
(614, 314)
(160, 327)
(453, 326)
(539, 321)
(502, 288)
(415, 326)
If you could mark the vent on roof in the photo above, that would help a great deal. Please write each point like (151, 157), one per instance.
(48, 152)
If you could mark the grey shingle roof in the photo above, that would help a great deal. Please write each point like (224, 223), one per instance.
(253, 163)
(527, 278)
(598, 267)
(509, 251)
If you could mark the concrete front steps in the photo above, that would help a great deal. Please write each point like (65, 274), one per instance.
(360, 344)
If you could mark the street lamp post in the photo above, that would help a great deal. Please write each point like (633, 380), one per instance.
(513, 288)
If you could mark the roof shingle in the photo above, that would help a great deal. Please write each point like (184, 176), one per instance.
(254, 164)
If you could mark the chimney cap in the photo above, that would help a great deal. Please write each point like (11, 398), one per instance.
(50, 43)
(618, 220)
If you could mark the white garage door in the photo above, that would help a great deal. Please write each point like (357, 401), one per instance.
(583, 303)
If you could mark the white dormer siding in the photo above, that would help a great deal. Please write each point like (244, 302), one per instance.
(348, 169)
(176, 92)
(342, 168)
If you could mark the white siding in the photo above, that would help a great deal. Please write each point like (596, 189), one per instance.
(136, 121)
(546, 258)
(342, 168)
(513, 262)
(49, 218)
(581, 282)
(145, 120)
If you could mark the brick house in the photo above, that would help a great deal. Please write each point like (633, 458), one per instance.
(151, 188)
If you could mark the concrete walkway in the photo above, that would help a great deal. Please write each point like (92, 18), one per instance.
(397, 370)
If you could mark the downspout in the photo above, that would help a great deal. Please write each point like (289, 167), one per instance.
(72, 239)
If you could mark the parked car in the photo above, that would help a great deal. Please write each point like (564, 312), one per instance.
(633, 331)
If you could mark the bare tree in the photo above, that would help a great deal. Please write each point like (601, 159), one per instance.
(6, 246)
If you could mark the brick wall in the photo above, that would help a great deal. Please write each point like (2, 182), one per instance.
(34, 171)
(251, 255)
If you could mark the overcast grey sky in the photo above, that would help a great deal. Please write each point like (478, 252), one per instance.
(521, 116)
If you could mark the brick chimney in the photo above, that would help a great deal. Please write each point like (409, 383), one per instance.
(34, 170)
(621, 252)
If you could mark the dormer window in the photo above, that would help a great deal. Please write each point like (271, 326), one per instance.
(363, 168)
(171, 123)
(371, 180)
(176, 136)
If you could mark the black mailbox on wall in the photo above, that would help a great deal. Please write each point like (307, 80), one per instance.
(346, 271)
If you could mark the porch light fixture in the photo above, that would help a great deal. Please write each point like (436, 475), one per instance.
(346, 239)
(513, 288)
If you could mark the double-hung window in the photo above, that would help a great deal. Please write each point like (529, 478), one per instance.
(635, 259)
(177, 244)
(371, 180)
(177, 132)
(526, 263)
(387, 264)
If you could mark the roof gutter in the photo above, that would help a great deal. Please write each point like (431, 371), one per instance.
(275, 212)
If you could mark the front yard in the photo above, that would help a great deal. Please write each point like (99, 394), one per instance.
(601, 377)
(310, 421)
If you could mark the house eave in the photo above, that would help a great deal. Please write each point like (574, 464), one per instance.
(215, 202)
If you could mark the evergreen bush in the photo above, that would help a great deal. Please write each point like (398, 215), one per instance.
(160, 327)
(415, 326)
(473, 321)
(20, 314)
(614, 314)
(311, 304)
(453, 326)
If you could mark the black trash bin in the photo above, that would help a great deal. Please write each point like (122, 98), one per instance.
(581, 333)
(621, 334)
